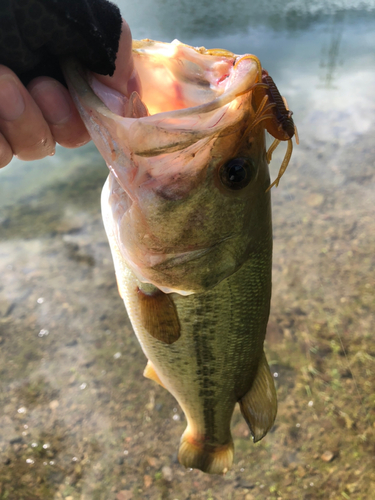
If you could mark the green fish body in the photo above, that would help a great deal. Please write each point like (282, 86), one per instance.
(188, 218)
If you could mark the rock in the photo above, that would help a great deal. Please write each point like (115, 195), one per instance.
(167, 473)
(151, 461)
(54, 404)
(301, 471)
(147, 481)
(327, 456)
(315, 200)
(352, 487)
(124, 495)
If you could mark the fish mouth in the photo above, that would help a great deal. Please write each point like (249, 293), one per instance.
(190, 94)
(189, 97)
(163, 147)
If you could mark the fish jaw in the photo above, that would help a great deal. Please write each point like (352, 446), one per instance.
(176, 225)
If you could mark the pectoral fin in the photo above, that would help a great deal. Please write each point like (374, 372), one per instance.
(259, 405)
(151, 374)
(159, 316)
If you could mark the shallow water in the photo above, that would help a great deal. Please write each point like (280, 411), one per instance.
(77, 418)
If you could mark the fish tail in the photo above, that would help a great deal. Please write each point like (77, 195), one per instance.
(196, 454)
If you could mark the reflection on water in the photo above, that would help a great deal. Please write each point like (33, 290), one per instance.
(77, 418)
(331, 53)
(228, 17)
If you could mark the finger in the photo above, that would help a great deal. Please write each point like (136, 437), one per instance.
(21, 121)
(125, 78)
(6, 153)
(59, 112)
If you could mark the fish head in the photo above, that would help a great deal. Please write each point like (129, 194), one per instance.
(189, 174)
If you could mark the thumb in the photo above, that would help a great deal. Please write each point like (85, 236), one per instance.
(125, 78)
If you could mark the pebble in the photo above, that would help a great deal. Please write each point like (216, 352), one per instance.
(301, 471)
(352, 487)
(54, 404)
(124, 495)
(167, 473)
(147, 480)
(327, 456)
(151, 461)
(315, 200)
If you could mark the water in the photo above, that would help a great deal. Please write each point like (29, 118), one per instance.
(77, 419)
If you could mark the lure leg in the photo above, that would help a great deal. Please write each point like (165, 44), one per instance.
(271, 149)
(284, 164)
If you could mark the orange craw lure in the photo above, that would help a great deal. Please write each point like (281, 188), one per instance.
(272, 109)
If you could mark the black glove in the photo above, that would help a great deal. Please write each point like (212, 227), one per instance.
(34, 34)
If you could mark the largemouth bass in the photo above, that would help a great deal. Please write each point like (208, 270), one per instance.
(187, 212)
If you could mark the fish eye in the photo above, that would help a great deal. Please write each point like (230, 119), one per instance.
(237, 173)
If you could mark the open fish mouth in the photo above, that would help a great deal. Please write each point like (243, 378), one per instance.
(189, 93)
(164, 147)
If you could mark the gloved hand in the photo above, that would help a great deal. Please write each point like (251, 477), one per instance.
(34, 35)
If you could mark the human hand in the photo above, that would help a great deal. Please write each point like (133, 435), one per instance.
(33, 119)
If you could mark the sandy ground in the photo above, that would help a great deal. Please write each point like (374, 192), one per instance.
(79, 421)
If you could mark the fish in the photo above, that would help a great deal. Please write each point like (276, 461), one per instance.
(186, 208)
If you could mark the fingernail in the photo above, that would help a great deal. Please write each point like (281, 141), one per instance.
(12, 104)
(51, 99)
